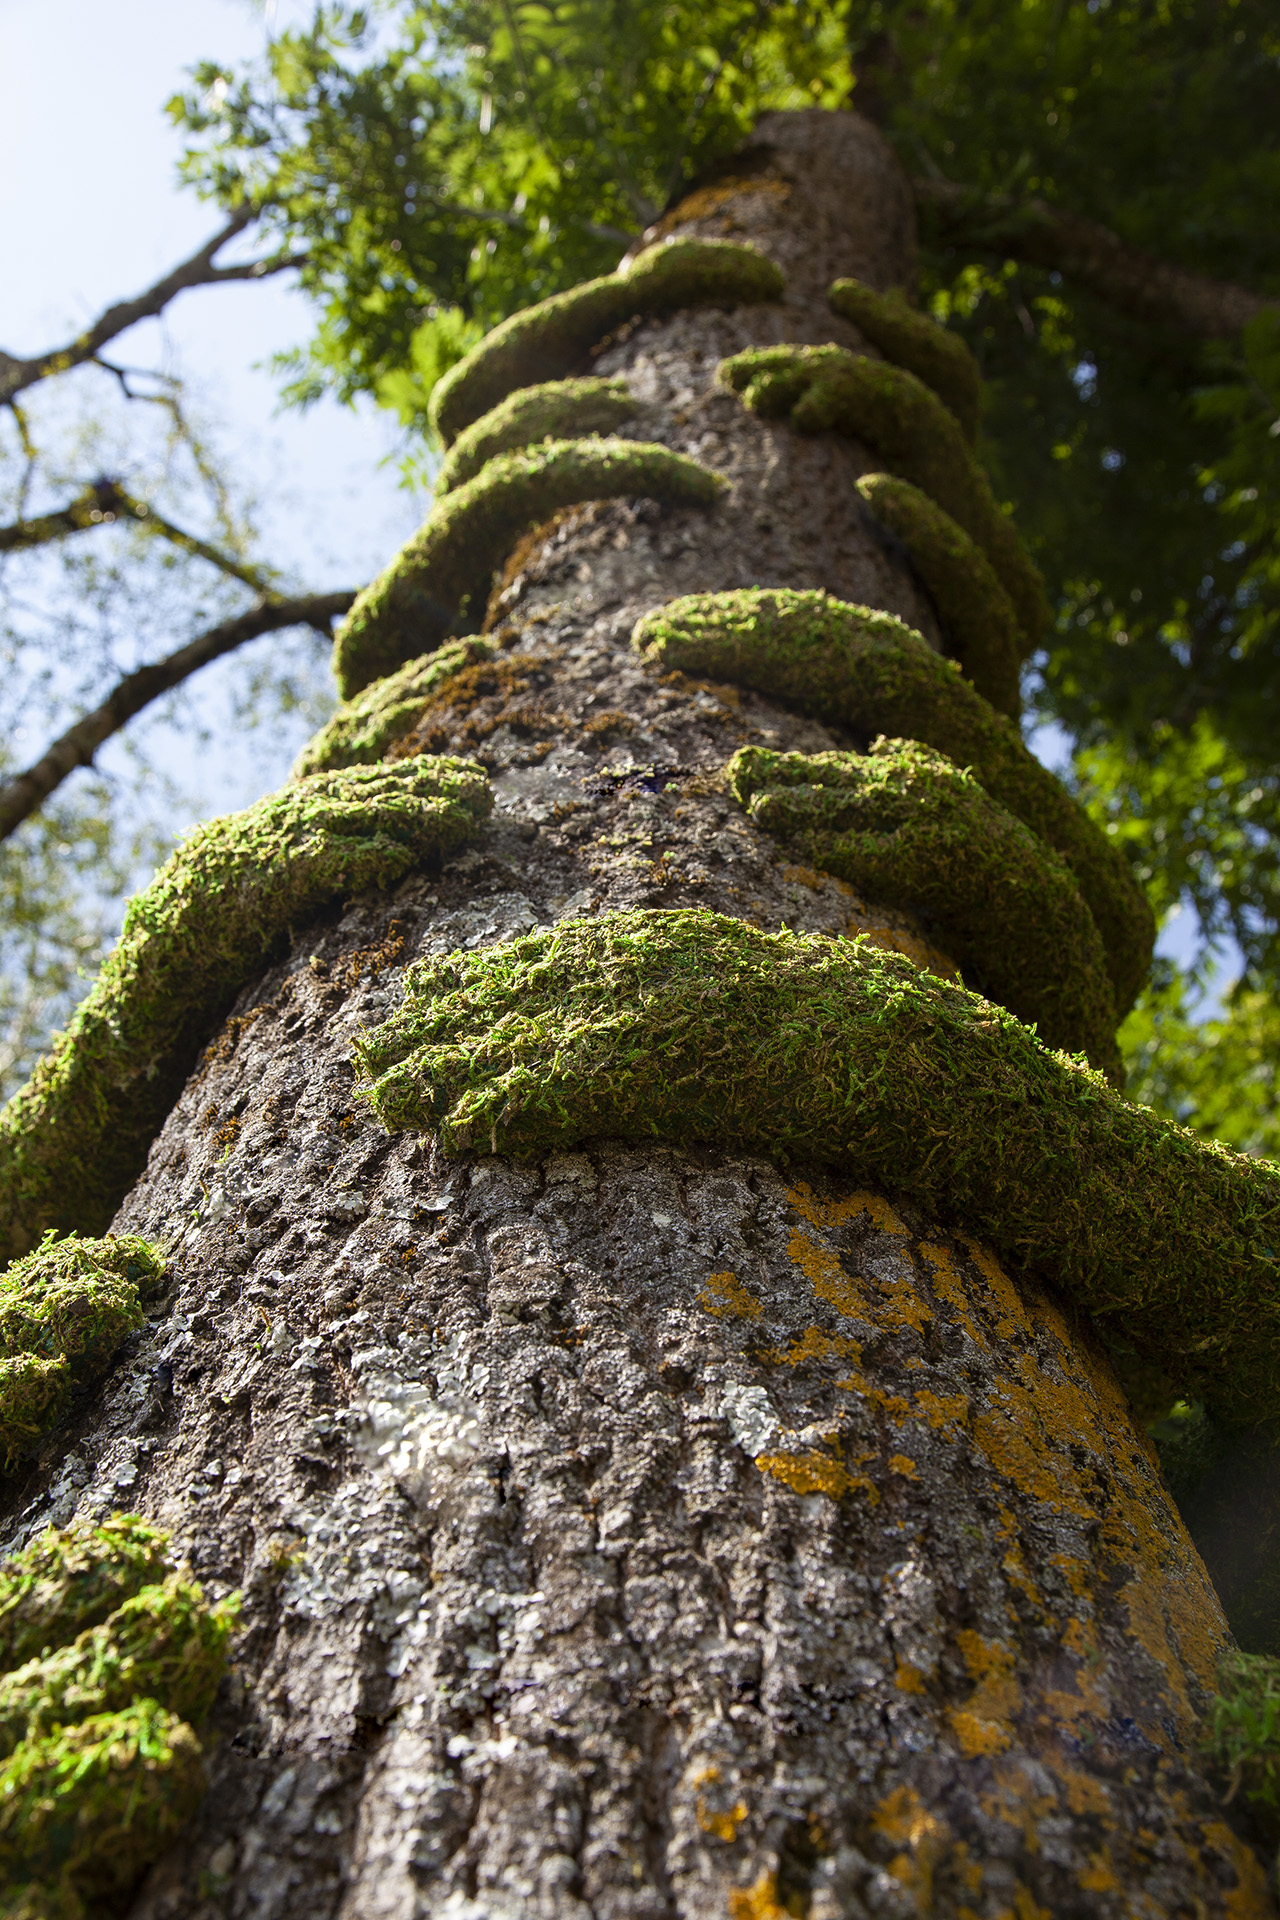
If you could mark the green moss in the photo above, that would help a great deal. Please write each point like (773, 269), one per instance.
(906, 826)
(76, 1136)
(362, 729)
(974, 608)
(824, 388)
(548, 341)
(556, 410)
(914, 341)
(686, 1027)
(868, 672)
(445, 571)
(164, 1643)
(64, 1310)
(1241, 1737)
(65, 1581)
(85, 1810)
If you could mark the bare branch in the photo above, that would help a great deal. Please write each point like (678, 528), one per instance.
(20, 797)
(1090, 255)
(102, 505)
(199, 271)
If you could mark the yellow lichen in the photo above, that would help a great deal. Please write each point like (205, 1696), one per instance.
(724, 1295)
(903, 1464)
(758, 1901)
(815, 1472)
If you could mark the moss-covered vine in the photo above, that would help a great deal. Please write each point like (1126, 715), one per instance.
(556, 410)
(75, 1137)
(118, 1659)
(64, 1309)
(549, 340)
(444, 572)
(361, 730)
(914, 341)
(687, 1027)
(905, 825)
(974, 608)
(864, 670)
(825, 388)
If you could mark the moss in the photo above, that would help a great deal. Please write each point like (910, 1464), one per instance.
(906, 826)
(64, 1310)
(548, 341)
(914, 341)
(824, 388)
(1241, 1737)
(686, 1027)
(868, 672)
(362, 729)
(76, 1136)
(445, 571)
(974, 608)
(85, 1810)
(65, 1581)
(164, 1643)
(556, 410)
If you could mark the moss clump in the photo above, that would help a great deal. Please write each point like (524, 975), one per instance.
(163, 1643)
(906, 826)
(687, 1027)
(556, 410)
(914, 341)
(85, 1810)
(117, 1654)
(867, 671)
(447, 568)
(972, 605)
(1241, 1736)
(362, 729)
(824, 388)
(65, 1581)
(76, 1136)
(548, 341)
(64, 1310)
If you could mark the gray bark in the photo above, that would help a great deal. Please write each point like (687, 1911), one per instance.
(641, 1534)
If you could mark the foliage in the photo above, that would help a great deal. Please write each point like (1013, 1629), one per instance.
(1241, 1740)
(687, 1027)
(474, 157)
(1214, 1074)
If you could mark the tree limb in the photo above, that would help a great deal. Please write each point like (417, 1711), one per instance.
(104, 502)
(199, 271)
(20, 796)
(1089, 255)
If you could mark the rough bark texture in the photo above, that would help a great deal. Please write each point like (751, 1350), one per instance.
(642, 1533)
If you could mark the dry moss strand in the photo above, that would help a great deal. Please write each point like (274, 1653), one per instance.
(64, 1310)
(548, 341)
(87, 1808)
(75, 1137)
(65, 1580)
(686, 1027)
(164, 1643)
(904, 825)
(555, 410)
(914, 341)
(821, 389)
(444, 573)
(865, 670)
(976, 612)
(362, 730)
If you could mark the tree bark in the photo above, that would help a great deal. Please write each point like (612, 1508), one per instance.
(641, 1533)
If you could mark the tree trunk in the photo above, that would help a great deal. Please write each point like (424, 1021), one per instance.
(640, 1532)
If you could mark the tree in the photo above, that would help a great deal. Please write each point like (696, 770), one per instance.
(654, 1412)
(471, 157)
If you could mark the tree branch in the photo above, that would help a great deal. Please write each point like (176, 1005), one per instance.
(1092, 256)
(104, 502)
(20, 797)
(199, 271)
